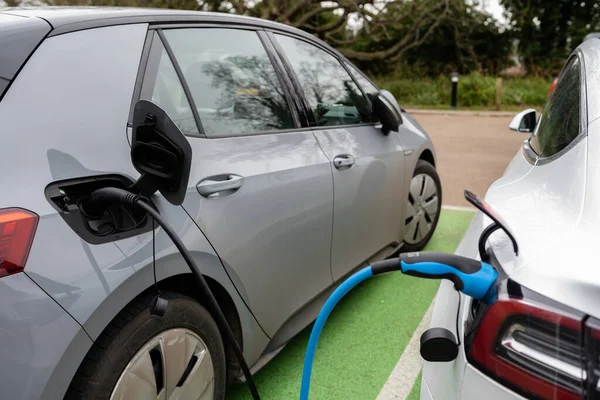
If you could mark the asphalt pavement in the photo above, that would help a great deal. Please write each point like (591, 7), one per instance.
(473, 149)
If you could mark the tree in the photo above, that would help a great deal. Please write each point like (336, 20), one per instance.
(435, 35)
(548, 30)
(463, 39)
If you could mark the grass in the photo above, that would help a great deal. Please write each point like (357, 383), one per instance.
(475, 91)
(415, 392)
(349, 364)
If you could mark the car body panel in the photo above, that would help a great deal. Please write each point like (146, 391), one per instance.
(481, 387)
(283, 210)
(18, 38)
(36, 333)
(367, 210)
(67, 109)
(95, 281)
(551, 206)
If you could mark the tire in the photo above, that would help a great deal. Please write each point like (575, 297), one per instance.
(136, 340)
(423, 207)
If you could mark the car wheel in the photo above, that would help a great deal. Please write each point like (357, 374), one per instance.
(423, 207)
(141, 356)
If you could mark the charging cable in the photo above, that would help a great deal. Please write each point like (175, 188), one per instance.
(474, 278)
(114, 195)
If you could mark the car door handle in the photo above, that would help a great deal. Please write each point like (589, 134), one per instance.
(220, 185)
(343, 161)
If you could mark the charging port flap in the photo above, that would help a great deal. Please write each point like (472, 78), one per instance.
(96, 224)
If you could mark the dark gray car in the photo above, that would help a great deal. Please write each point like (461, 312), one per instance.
(293, 186)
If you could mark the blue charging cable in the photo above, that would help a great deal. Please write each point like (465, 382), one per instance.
(473, 278)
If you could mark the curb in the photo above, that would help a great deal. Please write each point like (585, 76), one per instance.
(457, 113)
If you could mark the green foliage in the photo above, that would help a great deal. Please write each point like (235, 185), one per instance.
(548, 30)
(474, 90)
(464, 40)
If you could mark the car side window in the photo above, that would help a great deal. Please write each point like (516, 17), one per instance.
(560, 119)
(162, 87)
(368, 88)
(232, 82)
(333, 96)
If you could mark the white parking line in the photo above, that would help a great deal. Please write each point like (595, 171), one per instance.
(458, 208)
(402, 378)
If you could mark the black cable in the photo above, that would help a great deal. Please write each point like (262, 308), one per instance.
(457, 315)
(116, 195)
(213, 305)
(154, 255)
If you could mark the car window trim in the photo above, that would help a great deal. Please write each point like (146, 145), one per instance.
(535, 159)
(347, 63)
(139, 79)
(186, 88)
(155, 30)
(284, 131)
(284, 80)
(307, 114)
(203, 25)
(286, 61)
(364, 94)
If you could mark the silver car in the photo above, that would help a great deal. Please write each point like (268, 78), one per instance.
(541, 339)
(293, 185)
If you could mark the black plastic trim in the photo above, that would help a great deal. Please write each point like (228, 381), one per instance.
(364, 94)
(438, 345)
(184, 84)
(306, 112)
(284, 79)
(202, 25)
(389, 265)
(463, 264)
(68, 197)
(139, 80)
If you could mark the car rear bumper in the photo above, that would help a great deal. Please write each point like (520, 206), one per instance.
(458, 379)
(475, 386)
(37, 340)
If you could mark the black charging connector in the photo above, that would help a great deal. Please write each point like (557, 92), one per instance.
(113, 195)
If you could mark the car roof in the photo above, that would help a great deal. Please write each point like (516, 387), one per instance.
(68, 19)
(593, 35)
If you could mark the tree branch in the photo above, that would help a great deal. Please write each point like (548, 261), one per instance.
(410, 40)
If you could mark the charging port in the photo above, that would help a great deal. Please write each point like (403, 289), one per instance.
(96, 224)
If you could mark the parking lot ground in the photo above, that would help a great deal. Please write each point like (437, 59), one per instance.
(472, 150)
(349, 364)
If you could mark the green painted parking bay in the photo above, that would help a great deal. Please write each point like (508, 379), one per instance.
(365, 335)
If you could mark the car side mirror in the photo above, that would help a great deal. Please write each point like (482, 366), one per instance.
(524, 121)
(387, 111)
(160, 152)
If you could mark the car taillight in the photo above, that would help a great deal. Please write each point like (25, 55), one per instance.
(592, 357)
(532, 345)
(17, 229)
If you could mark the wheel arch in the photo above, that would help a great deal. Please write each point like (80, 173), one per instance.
(427, 155)
(173, 275)
(185, 284)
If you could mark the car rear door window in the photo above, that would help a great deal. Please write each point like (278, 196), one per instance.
(332, 94)
(163, 87)
(560, 121)
(232, 82)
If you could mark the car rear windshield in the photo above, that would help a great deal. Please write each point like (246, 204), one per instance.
(19, 36)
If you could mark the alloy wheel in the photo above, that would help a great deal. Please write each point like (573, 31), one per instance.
(422, 208)
(175, 364)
